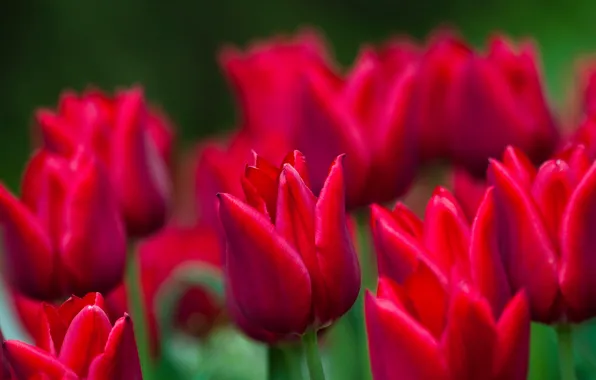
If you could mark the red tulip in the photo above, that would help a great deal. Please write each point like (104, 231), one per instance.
(77, 341)
(502, 102)
(416, 331)
(220, 165)
(133, 143)
(6, 372)
(432, 107)
(544, 224)
(290, 263)
(445, 242)
(362, 116)
(469, 106)
(587, 86)
(265, 80)
(66, 234)
(161, 257)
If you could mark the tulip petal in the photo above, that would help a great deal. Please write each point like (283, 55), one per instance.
(519, 166)
(428, 296)
(551, 189)
(323, 115)
(85, 339)
(29, 261)
(470, 338)
(397, 251)
(298, 161)
(120, 360)
(488, 273)
(139, 175)
(267, 277)
(265, 186)
(514, 340)
(408, 220)
(446, 233)
(28, 362)
(94, 243)
(399, 347)
(578, 245)
(338, 262)
(58, 134)
(528, 251)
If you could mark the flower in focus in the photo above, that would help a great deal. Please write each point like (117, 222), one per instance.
(134, 143)
(544, 226)
(444, 242)
(65, 235)
(418, 332)
(290, 264)
(363, 116)
(77, 341)
(265, 79)
(161, 257)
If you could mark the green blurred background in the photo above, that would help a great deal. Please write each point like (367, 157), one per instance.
(170, 48)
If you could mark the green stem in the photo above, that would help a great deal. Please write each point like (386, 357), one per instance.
(313, 358)
(283, 363)
(566, 358)
(136, 307)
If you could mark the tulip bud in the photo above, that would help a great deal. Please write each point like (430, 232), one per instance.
(290, 267)
(417, 331)
(133, 143)
(265, 78)
(66, 235)
(77, 341)
(543, 228)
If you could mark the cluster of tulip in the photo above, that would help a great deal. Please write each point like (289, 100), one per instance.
(109, 218)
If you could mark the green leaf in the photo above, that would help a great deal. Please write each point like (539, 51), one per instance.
(284, 363)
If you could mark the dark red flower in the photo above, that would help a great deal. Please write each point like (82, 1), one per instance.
(417, 331)
(66, 234)
(363, 116)
(265, 79)
(445, 242)
(469, 106)
(544, 228)
(290, 263)
(163, 257)
(133, 143)
(77, 341)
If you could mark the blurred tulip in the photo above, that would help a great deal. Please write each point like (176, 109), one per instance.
(77, 341)
(587, 86)
(362, 116)
(502, 103)
(290, 263)
(544, 228)
(445, 242)
(65, 236)
(265, 79)
(220, 165)
(431, 110)
(417, 332)
(133, 143)
(469, 107)
(161, 256)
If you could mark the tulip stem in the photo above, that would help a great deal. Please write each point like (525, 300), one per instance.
(283, 363)
(313, 357)
(566, 358)
(136, 307)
